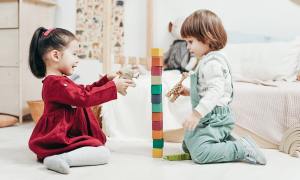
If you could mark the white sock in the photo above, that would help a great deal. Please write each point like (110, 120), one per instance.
(87, 156)
(57, 163)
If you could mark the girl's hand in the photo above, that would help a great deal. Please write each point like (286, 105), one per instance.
(184, 91)
(111, 76)
(123, 84)
(192, 121)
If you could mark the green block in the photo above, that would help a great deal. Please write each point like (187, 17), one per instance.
(178, 157)
(156, 89)
(158, 143)
(157, 107)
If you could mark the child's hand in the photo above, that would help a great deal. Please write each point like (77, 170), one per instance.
(111, 76)
(184, 91)
(192, 121)
(123, 84)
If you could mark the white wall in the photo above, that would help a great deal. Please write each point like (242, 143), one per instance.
(277, 18)
(271, 17)
(66, 14)
(135, 25)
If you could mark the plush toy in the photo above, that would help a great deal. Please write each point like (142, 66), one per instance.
(178, 56)
(173, 94)
(175, 26)
(128, 73)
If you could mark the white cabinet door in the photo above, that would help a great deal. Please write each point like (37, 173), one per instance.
(9, 50)
(9, 90)
(9, 15)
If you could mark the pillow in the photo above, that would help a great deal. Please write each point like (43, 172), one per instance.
(234, 53)
(7, 120)
(265, 61)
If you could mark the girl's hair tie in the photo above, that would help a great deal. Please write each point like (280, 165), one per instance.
(46, 33)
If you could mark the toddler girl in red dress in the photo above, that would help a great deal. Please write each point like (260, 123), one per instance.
(68, 133)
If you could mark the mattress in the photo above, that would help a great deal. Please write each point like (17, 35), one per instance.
(267, 111)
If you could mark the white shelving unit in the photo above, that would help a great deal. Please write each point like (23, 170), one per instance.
(18, 20)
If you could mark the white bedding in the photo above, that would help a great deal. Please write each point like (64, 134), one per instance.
(267, 111)
(129, 117)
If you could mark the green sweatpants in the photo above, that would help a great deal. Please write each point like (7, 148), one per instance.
(211, 141)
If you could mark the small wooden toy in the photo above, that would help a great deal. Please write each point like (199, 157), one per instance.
(173, 94)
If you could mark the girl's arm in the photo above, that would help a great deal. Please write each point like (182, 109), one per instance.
(98, 83)
(213, 73)
(103, 80)
(64, 91)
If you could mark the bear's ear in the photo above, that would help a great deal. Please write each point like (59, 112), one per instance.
(174, 27)
(170, 26)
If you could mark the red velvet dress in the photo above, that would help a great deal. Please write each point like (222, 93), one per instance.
(67, 122)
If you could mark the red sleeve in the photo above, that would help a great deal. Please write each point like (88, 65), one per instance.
(101, 82)
(65, 91)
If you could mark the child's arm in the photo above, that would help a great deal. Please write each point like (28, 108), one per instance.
(64, 91)
(184, 91)
(191, 122)
(215, 80)
(98, 83)
(104, 79)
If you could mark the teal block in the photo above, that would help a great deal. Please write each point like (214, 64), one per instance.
(158, 143)
(156, 89)
(157, 107)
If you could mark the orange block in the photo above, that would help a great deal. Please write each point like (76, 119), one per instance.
(157, 153)
(157, 116)
(157, 61)
(157, 134)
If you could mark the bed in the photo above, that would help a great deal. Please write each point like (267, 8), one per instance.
(263, 112)
(267, 111)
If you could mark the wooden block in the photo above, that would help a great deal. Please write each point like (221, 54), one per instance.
(120, 60)
(156, 80)
(156, 89)
(157, 153)
(157, 116)
(157, 52)
(158, 143)
(157, 125)
(132, 60)
(156, 98)
(143, 61)
(157, 61)
(157, 107)
(157, 134)
(156, 71)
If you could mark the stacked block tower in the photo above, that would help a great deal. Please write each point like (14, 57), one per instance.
(156, 100)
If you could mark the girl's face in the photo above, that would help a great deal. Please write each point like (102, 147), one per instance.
(196, 47)
(69, 59)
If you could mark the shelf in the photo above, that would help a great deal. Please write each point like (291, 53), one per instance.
(43, 2)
